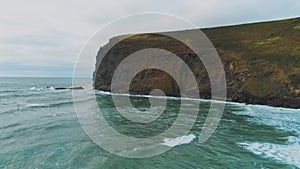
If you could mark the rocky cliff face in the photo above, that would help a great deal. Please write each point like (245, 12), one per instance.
(261, 62)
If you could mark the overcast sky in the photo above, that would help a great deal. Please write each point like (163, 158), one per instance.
(43, 38)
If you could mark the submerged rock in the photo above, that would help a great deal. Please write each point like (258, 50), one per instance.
(69, 88)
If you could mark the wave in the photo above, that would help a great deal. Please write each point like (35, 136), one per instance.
(10, 126)
(38, 105)
(68, 101)
(146, 149)
(172, 142)
(283, 119)
(289, 154)
(42, 88)
(138, 95)
(35, 105)
(242, 110)
(19, 95)
(43, 105)
(245, 105)
(8, 91)
(29, 106)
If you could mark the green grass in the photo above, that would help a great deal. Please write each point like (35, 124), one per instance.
(276, 42)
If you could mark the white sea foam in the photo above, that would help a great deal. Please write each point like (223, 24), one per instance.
(42, 88)
(148, 96)
(172, 142)
(35, 105)
(246, 111)
(32, 88)
(289, 154)
(280, 118)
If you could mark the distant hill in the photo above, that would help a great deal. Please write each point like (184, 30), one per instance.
(261, 61)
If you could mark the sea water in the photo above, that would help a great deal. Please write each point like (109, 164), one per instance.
(39, 129)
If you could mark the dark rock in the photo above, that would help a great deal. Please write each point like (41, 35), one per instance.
(69, 88)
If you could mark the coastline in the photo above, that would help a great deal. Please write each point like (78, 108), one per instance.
(195, 99)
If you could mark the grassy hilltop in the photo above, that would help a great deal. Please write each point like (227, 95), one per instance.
(261, 61)
(273, 46)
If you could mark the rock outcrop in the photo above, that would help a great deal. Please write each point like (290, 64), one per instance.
(261, 62)
(69, 88)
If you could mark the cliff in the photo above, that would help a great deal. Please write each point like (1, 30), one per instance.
(261, 62)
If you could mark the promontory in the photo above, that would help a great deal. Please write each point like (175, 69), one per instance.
(261, 63)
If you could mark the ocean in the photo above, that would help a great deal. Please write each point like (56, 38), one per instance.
(39, 129)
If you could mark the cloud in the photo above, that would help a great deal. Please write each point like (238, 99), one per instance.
(50, 34)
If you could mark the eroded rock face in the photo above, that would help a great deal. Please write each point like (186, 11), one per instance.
(261, 62)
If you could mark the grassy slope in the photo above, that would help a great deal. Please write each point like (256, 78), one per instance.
(276, 44)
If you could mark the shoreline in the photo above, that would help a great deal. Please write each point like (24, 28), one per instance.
(195, 99)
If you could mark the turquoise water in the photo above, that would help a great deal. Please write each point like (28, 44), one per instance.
(39, 129)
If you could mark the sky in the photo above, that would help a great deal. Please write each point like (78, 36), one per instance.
(42, 38)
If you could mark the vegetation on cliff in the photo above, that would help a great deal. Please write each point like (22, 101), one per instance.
(261, 61)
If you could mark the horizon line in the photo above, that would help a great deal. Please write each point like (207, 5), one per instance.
(3, 76)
